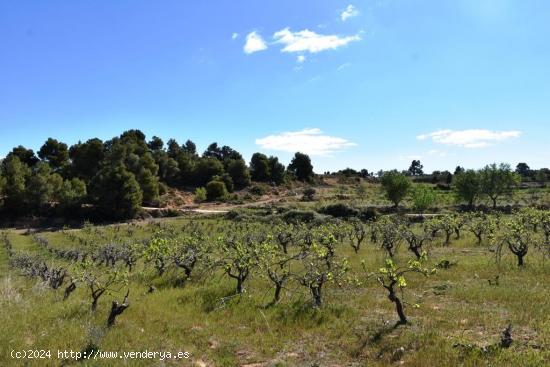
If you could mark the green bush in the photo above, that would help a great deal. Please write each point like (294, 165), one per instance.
(423, 197)
(369, 214)
(296, 216)
(258, 190)
(200, 194)
(216, 190)
(339, 210)
(309, 194)
(396, 186)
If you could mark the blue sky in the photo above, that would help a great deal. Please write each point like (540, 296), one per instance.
(365, 84)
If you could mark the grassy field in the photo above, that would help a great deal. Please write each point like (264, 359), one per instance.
(460, 312)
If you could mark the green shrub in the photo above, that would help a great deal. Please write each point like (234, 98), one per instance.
(216, 190)
(200, 194)
(339, 210)
(296, 216)
(423, 197)
(396, 186)
(163, 188)
(258, 190)
(309, 194)
(369, 214)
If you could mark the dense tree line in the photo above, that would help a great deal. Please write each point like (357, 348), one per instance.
(119, 176)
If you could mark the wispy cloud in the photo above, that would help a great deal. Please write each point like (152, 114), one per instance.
(349, 12)
(309, 141)
(472, 138)
(254, 43)
(343, 66)
(439, 153)
(300, 59)
(309, 41)
(234, 35)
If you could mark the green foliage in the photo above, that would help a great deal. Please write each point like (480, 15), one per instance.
(238, 171)
(396, 186)
(339, 210)
(259, 167)
(55, 153)
(117, 192)
(15, 174)
(25, 155)
(387, 233)
(523, 170)
(481, 225)
(149, 185)
(71, 194)
(392, 278)
(320, 263)
(86, 158)
(159, 251)
(264, 169)
(276, 170)
(466, 186)
(3, 182)
(423, 198)
(200, 194)
(206, 169)
(43, 186)
(301, 167)
(309, 194)
(216, 190)
(227, 180)
(240, 255)
(100, 281)
(415, 168)
(155, 144)
(517, 237)
(361, 191)
(496, 181)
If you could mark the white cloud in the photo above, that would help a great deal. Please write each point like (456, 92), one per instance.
(349, 12)
(309, 141)
(310, 41)
(439, 153)
(343, 66)
(234, 35)
(472, 138)
(254, 43)
(300, 59)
